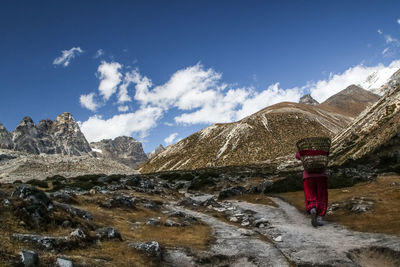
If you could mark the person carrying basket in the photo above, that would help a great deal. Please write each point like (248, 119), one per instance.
(313, 152)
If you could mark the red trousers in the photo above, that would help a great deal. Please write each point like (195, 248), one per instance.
(316, 194)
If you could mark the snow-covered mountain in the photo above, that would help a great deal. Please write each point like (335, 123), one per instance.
(377, 80)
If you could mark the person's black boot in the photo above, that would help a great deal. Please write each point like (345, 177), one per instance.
(313, 213)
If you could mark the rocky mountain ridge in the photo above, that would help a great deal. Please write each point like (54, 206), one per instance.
(61, 136)
(374, 136)
(123, 149)
(264, 137)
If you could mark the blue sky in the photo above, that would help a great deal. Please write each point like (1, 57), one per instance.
(184, 64)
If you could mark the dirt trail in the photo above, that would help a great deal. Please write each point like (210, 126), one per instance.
(298, 243)
(330, 244)
(234, 246)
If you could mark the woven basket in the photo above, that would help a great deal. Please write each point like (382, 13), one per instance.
(314, 164)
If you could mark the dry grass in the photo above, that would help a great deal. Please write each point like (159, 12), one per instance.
(385, 216)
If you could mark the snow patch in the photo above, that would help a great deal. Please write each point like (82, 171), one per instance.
(234, 134)
(97, 150)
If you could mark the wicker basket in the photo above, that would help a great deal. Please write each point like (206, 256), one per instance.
(317, 163)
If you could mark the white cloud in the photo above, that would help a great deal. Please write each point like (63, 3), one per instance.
(170, 139)
(123, 88)
(380, 31)
(88, 102)
(67, 56)
(360, 75)
(199, 95)
(99, 53)
(186, 89)
(123, 108)
(385, 50)
(136, 123)
(110, 78)
(272, 95)
(398, 21)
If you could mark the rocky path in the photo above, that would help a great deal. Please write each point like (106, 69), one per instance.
(294, 240)
(303, 244)
(234, 246)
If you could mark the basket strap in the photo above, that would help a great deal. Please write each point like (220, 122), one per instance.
(313, 153)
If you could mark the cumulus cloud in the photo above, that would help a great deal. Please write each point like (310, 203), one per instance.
(272, 95)
(398, 21)
(367, 77)
(198, 95)
(87, 101)
(123, 88)
(99, 53)
(67, 56)
(137, 123)
(110, 77)
(170, 139)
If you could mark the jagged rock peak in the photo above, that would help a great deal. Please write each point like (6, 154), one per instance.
(5, 138)
(123, 149)
(308, 99)
(62, 136)
(156, 151)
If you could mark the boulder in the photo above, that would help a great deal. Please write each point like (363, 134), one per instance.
(74, 211)
(29, 258)
(62, 262)
(232, 191)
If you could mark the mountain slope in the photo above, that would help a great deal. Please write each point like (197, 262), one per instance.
(350, 101)
(375, 134)
(259, 138)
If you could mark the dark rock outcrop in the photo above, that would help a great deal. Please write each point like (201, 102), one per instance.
(5, 138)
(123, 149)
(308, 99)
(25, 136)
(62, 136)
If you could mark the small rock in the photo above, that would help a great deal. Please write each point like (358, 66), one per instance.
(78, 233)
(263, 221)
(61, 262)
(278, 238)
(29, 258)
(108, 233)
(171, 223)
(151, 248)
(153, 221)
(6, 203)
(92, 191)
(233, 219)
(245, 223)
(345, 191)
